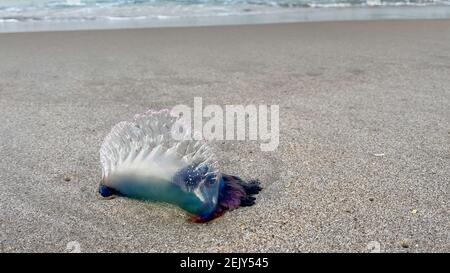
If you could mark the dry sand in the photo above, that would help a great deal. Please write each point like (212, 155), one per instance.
(364, 150)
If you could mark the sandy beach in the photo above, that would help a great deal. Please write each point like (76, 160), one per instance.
(364, 149)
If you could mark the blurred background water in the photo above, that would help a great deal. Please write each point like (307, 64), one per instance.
(135, 13)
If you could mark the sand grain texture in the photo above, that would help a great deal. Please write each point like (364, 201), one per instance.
(364, 120)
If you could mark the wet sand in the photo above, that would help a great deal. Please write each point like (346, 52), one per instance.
(364, 150)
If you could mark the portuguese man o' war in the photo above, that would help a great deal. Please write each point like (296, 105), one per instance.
(141, 160)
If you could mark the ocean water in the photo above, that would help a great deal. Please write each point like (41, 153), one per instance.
(29, 15)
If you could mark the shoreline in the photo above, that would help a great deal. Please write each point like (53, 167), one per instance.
(330, 14)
